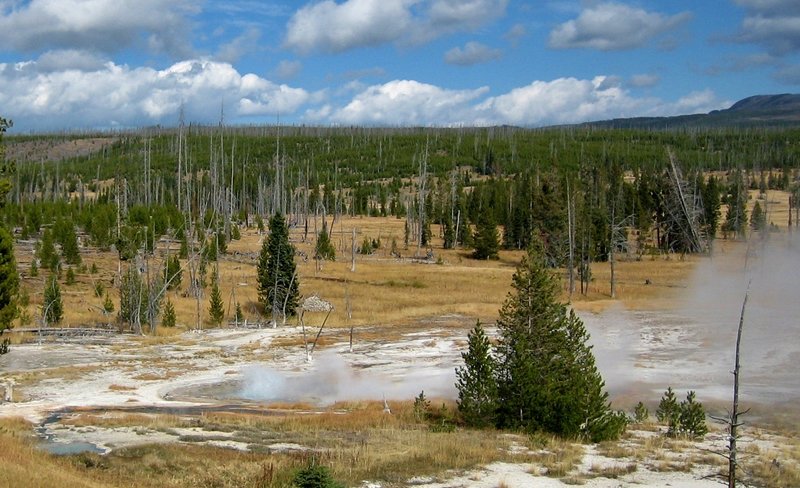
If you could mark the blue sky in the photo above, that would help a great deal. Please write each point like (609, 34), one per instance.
(75, 64)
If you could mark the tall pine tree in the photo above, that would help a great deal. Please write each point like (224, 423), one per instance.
(216, 310)
(278, 288)
(487, 242)
(547, 379)
(9, 281)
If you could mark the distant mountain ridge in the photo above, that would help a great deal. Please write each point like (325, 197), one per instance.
(759, 110)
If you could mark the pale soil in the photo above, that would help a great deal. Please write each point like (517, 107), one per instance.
(130, 373)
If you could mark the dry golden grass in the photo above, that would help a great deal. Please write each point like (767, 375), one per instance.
(22, 464)
(612, 472)
(554, 457)
(383, 289)
(63, 372)
(357, 440)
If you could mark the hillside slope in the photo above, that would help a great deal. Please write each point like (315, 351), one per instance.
(759, 110)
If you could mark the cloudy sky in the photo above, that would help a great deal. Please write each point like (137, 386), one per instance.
(73, 64)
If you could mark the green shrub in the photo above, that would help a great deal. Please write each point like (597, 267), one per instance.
(315, 476)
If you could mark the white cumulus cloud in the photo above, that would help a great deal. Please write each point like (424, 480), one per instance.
(117, 95)
(408, 102)
(613, 26)
(98, 25)
(332, 27)
(559, 101)
(472, 53)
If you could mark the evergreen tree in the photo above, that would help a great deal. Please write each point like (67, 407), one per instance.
(183, 252)
(669, 411)
(173, 273)
(64, 234)
(758, 218)
(547, 378)
(692, 417)
(640, 413)
(6, 168)
(448, 232)
(70, 279)
(168, 319)
(711, 206)
(422, 407)
(476, 382)
(315, 476)
(324, 248)
(239, 315)
(108, 305)
(216, 310)
(9, 281)
(52, 306)
(277, 283)
(47, 251)
(486, 238)
(736, 217)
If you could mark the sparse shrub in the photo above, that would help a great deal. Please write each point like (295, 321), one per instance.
(34, 269)
(366, 247)
(53, 307)
(93, 269)
(441, 421)
(421, 407)
(99, 289)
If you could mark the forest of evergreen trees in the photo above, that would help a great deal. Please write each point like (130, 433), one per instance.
(576, 195)
(586, 193)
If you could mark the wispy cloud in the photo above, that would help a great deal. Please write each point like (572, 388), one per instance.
(471, 53)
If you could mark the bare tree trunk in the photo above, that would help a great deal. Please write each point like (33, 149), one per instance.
(353, 252)
(611, 259)
(349, 314)
(734, 419)
(571, 231)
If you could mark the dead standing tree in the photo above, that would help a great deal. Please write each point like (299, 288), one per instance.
(684, 208)
(314, 304)
(733, 420)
